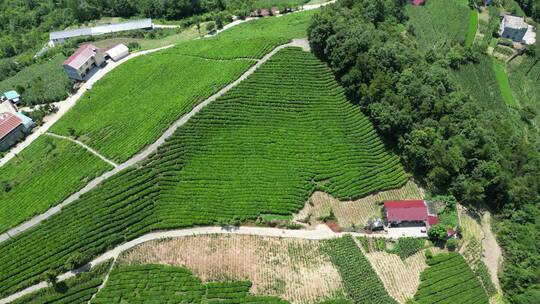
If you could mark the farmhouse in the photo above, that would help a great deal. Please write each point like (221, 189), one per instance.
(516, 29)
(117, 52)
(56, 38)
(83, 60)
(409, 213)
(12, 129)
(12, 96)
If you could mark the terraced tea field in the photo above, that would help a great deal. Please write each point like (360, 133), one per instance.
(449, 280)
(262, 148)
(133, 105)
(295, 270)
(167, 284)
(42, 175)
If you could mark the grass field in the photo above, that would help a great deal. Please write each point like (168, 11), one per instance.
(42, 176)
(43, 82)
(449, 280)
(134, 104)
(479, 80)
(168, 284)
(439, 23)
(292, 269)
(473, 27)
(504, 83)
(262, 148)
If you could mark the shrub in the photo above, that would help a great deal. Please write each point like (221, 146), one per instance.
(437, 233)
(452, 244)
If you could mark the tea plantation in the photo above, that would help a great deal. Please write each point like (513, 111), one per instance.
(263, 148)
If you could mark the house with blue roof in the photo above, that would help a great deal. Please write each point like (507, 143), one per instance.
(12, 96)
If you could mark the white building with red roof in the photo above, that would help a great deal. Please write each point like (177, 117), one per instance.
(12, 130)
(409, 213)
(81, 62)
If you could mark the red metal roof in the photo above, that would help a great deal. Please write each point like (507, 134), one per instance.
(8, 123)
(80, 56)
(432, 220)
(417, 2)
(408, 210)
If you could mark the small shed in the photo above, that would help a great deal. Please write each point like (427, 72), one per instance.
(12, 96)
(117, 52)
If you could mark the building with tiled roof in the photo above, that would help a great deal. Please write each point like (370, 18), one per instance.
(409, 213)
(81, 62)
(11, 130)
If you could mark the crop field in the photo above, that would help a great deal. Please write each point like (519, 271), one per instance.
(362, 284)
(262, 148)
(42, 176)
(292, 269)
(449, 280)
(439, 23)
(168, 284)
(525, 83)
(479, 80)
(504, 83)
(356, 212)
(77, 290)
(43, 82)
(401, 278)
(249, 40)
(134, 104)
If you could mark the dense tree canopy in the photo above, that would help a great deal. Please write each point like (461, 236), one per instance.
(452, 143)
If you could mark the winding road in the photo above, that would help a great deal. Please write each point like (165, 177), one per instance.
(321, 232)
(148, 150)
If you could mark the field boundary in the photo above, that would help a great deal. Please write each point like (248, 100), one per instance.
(149, 149)
(321, 232)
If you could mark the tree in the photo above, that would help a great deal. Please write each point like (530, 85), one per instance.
(74, 261)
(437, 233)
(49, 276)
(452, 244)
(218, 19)
(211, 27)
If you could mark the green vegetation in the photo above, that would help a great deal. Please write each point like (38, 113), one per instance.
(504, 84)
(473, 27)
(167, 284)
(42, 176)
(439, 23)
(43, 82)
(407, 246)
(77, 290)
(259, 149)
(454, 143)
(361, 282)
(525, 84)
(449, 280)
(134, 104)
(479, 80)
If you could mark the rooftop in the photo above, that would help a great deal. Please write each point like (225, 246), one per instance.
(407, 210)
(8, 123)
(102, 29)
(11, 95)
(82, 55)
(515, 22)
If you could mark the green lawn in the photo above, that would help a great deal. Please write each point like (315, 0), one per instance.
(42, 176)
(262, 148)
(473, 27)
(504, 84)
(134, 104)
(439, 23)
(43, 82)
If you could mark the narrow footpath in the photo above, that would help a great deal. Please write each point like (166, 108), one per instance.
(80, 143)
(148, 150)
(321, 232)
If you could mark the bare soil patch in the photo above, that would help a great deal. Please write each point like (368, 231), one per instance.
(293, 269)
